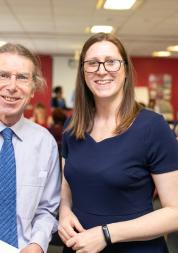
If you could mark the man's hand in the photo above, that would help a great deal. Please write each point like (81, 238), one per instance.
(32, 248)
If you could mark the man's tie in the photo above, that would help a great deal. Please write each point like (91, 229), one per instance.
(8, 222)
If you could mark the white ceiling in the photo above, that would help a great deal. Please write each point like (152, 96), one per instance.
(58, 26)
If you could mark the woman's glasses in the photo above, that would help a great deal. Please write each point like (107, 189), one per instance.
(92, 66)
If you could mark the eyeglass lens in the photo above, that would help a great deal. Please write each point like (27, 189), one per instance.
(110, 65)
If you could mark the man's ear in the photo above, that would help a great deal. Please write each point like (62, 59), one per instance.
(32, 94)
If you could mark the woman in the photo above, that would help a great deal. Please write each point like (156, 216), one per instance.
(40, 115)
(115, 154)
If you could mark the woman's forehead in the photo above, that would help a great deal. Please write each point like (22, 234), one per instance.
(103, 49)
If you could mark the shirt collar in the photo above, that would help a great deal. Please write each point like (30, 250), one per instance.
(17, 128)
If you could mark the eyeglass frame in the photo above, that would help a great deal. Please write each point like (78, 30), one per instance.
(103, 62)
(19, 81)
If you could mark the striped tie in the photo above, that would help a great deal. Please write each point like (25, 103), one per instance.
(8, 223)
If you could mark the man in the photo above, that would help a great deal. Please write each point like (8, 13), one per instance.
(58, 101)
(35, 156)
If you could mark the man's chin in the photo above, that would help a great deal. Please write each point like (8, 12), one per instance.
(10, 113)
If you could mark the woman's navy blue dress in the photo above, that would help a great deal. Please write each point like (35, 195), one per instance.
(111, 180)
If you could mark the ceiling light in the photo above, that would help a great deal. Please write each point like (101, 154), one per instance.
(161, 53)
(101, 28)
(2, 43)
(77, 55)
(173, 48)
(119, 4)
(87, 29)
(99, 4)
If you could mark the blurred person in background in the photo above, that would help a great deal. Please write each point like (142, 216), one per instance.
(56, 128)
(40, 115)
(58, 100)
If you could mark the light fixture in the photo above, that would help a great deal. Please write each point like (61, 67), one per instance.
(99, 4)
(161, 53)
(77, 55)
(101, 28)
(173, 48)
(2, 43)
(87, 29)
(119, 4)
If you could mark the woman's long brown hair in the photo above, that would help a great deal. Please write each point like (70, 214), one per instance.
(84, 107)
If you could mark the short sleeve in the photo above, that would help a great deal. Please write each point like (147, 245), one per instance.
(162, 147)
(64, 147)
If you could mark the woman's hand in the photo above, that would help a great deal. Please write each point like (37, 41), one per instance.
(88, 241)
(69, 225)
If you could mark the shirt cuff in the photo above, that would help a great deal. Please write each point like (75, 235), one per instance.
(41, 239)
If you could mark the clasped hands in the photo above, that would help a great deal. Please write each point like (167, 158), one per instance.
(76, 237)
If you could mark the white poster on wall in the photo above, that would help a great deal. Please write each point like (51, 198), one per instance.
(142, 95)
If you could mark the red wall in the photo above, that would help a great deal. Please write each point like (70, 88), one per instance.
(43, 97)
(145, 66)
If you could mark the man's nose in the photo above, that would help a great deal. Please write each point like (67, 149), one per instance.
(12, 82)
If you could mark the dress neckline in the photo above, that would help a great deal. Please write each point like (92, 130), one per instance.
(116, 136)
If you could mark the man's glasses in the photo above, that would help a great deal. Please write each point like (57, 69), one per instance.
(109, 65)
(21, 79)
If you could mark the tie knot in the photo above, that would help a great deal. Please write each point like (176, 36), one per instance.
(7, 134)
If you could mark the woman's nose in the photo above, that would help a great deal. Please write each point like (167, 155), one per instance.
(101, 69)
